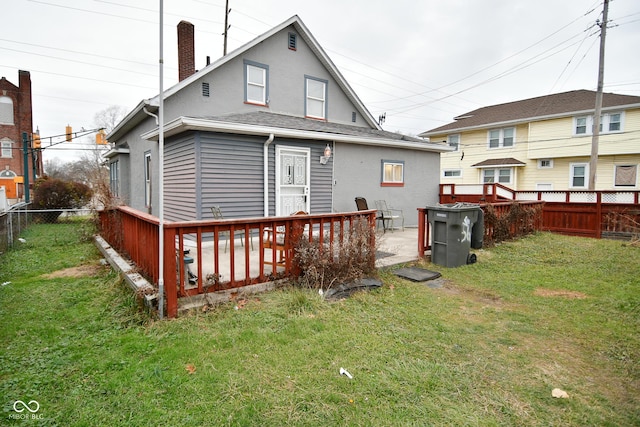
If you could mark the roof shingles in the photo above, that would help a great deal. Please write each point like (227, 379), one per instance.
(527, 109)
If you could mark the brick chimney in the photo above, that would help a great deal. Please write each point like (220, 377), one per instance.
(186, 50)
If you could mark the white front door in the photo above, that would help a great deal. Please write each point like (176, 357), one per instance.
(292, 180)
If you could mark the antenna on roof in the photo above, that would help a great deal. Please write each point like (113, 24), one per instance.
(382, 118)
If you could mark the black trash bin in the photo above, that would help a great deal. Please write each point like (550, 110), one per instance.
(452, 233)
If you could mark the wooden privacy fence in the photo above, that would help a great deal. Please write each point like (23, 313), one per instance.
(502, 221)
(578, 213)
(213, 255)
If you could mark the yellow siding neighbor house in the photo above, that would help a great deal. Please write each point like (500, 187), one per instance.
(544, 143)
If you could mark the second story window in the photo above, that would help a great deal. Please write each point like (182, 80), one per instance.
(454, 141)
(6, 144)
(609, 123)
(581, 125)
(502, 138)
(6, 110)
(256, 83)
(316, 98)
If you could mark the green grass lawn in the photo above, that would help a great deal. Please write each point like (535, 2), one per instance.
(486, 349)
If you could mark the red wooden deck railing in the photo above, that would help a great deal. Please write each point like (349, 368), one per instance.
(225, 254)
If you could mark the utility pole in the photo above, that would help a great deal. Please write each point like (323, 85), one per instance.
(226, 26)
(593, 163)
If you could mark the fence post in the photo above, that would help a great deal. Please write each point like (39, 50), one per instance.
(599, 215)
(421, 232)
(170, 270)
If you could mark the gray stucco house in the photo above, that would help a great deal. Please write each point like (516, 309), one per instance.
(250, 131)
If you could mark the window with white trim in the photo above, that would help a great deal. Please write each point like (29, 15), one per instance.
(544, 186)
(7, 174)
(612, 122)
(502, 176)
(7, 148)
(454, 141)
(578, 175)
(580, 127)
(316, 97)
(6, 110)
(545, 164)
(392, 173)
(609, 123)
(626, 175)
(452, 173)
(256, 78)
(113, 175)
(147, 179)
(502, 138)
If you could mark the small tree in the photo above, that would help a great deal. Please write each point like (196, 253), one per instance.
(56, 194)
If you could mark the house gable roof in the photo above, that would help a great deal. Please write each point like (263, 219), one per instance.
(282, 125)
(138, 113)
(533, 109)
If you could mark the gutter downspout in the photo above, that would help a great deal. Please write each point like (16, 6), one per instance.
(151, 114)
(266, 172)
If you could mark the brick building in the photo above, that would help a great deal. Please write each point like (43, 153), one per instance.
(16, 118)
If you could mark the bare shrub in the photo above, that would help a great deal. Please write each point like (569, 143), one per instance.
(623, 224)
(350, 258)
(518, 220)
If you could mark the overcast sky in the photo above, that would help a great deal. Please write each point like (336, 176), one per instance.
(420, 62)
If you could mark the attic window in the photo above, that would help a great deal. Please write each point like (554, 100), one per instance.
(293, 41)
(205, 89)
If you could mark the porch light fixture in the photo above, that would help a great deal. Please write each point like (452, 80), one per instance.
(327, 155)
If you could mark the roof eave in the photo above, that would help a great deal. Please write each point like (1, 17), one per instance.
(183, 124)
(134, 117)
(526, 120)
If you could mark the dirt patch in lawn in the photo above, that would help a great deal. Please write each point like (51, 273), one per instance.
(80, 271)
(541, 292)
(481, 296)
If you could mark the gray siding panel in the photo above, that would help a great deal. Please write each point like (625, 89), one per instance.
(358, 173)
(180, 194)
(231, 175)
(208, 169)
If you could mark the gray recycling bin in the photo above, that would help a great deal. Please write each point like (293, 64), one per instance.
(455, 228)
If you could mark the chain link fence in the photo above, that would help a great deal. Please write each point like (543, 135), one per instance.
(19, 216)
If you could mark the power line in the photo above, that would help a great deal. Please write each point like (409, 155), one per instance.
(81, 53)
(81, 77)
(78, 61)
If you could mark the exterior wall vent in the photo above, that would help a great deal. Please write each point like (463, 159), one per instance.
(353, 116)
(205, 89)
(293, 41)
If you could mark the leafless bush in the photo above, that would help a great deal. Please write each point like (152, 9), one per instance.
(623, 224)
(517, 221)
(326, 265)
